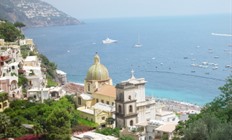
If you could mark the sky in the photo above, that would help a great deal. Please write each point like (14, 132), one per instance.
(84, 9)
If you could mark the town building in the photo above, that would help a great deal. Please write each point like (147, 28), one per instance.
(61, 77)
(4, 103)
(9, 65)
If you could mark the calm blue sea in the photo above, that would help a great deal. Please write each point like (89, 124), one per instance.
(170, 46)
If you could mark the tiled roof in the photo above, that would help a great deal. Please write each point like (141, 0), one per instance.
(107, 90)
(73, 87)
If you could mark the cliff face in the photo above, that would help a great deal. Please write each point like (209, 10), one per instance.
(34, 13)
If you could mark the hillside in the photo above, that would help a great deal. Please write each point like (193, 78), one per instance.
(34, 13)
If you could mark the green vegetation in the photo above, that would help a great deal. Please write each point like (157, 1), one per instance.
(58, 125)
(126, 138)
(49, 119)
(85, 122)
(49, 68)
(214, 122)
(3, 96)
(19, 25)
(25, 50)
(22, 81)
(9, 32)
(109, 131)
(51, 83)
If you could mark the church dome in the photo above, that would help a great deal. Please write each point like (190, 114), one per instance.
(97, 71)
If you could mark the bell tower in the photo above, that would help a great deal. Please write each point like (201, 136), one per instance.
(125, 103)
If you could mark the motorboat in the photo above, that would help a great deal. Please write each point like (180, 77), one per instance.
(108, 41)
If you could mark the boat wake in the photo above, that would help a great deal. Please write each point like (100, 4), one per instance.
(168, 72)
(225, 35)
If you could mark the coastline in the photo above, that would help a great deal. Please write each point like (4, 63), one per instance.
(179, 107)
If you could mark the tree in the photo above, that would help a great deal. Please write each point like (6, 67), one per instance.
(110, 121)
(58, 125)
(19, 25)
(215, 120)
(37, 129)
(9, 32)
(4, 124)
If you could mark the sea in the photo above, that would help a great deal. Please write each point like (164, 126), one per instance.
(183, 58)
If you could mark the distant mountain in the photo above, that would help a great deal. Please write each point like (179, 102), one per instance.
(34, 13)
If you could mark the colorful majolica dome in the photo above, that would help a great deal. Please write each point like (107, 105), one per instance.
(97, 71)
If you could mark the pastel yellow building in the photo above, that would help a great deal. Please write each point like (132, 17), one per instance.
(97, 113)
(2, 42)
(4, 103)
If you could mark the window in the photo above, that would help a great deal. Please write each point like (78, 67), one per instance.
(112, 103)
(119, 109)
(129, 97)
(102, 101)
(88, 87)
(103, 118)
(0, 106)
(79, 100)
(4, 104)
(107, 102)
(130, 108)
(97, 100)
(131, 122)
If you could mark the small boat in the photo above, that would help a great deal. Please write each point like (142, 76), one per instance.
(138, 44)
(215, 67)
(108, 41)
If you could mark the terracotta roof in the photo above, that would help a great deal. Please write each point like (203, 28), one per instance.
(4, 58)
(73, 87)
(107, 90)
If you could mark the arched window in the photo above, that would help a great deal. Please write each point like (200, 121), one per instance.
(129, 97)
(130, 108)
(131, 122)
(88, 87)
(119, 109)
(79, 100)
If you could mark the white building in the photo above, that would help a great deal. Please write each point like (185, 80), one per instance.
(62, 77)
(90, 135)
(41, 94)
(33, 72)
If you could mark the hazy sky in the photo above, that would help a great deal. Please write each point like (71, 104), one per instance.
(82, 9)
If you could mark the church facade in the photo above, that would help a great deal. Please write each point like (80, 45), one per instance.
(97, 102)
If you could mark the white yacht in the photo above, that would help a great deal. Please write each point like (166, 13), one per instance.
(108, 41)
